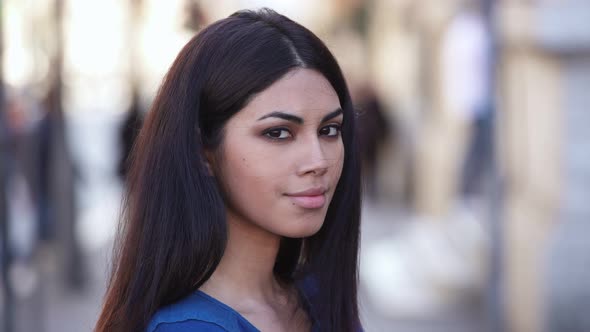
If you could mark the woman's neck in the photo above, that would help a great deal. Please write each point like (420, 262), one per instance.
(245, 281)
(246, 268)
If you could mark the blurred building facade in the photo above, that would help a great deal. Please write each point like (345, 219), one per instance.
(543, 73)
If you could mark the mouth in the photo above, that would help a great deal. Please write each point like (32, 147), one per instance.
(313, 198)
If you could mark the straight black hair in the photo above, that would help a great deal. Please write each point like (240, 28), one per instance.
(173, 229)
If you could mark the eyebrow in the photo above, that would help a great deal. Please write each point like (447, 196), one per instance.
(298, 120)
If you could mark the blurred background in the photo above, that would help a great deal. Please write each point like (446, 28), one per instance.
(475, 134)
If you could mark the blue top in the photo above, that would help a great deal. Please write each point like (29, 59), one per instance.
(203, 313)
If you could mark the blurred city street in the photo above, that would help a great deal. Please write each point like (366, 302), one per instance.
(472, 121)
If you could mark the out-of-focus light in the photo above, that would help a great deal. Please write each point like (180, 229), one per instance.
(95, 36)
(96, 57)
(18, 61)
(161, 39)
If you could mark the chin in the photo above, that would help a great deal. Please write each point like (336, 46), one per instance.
(302, 231)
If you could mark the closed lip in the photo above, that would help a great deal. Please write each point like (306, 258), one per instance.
(316, 191)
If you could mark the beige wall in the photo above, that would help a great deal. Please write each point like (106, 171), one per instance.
(530, 102)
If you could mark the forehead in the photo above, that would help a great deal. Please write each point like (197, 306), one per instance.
(304, 92)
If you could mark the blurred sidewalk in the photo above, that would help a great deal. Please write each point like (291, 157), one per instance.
(53, 308)
(384, 226)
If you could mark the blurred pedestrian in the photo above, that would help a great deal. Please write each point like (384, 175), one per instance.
(374, 132)
(58, 177)
(466, 59)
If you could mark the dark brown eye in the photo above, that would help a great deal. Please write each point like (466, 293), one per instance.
(330, 131)
(278, 133)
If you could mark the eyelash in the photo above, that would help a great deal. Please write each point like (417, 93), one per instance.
(279, 129)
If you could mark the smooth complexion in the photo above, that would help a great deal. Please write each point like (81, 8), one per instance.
(278, 166)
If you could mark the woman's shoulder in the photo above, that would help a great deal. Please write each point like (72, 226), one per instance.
(196, 312)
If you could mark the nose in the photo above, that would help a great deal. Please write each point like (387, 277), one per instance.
(314, 159)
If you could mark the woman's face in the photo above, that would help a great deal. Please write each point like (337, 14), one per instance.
(282, 156)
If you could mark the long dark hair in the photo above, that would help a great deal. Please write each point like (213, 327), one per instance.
(173, 230)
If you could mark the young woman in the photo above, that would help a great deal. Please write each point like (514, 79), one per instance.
(243, 202)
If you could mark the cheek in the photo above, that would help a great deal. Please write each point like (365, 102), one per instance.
(251, 178)
(256, 167)
(338, 161)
